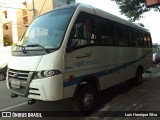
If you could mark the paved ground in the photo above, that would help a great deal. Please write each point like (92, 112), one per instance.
(144, 97)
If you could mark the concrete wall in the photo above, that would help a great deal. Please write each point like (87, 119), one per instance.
(41, 6)
(10, 21)
(1, 25)
(16, 16)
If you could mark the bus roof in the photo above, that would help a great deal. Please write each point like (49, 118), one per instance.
(117, 19)
(103, 14)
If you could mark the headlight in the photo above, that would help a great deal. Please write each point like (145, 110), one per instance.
(46, 73)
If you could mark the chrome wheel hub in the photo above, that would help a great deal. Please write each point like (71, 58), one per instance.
(88, 99)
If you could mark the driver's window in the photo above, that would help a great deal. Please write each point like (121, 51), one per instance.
(83, 32)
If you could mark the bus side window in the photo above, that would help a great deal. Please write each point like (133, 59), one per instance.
(123, 36)
(106, 32)
(146, 42)
(149, 40)
(137, 37)
(127, 41)
(132, 37)
(83, 32)
(141, 39)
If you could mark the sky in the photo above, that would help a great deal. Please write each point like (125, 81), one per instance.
(151, 19)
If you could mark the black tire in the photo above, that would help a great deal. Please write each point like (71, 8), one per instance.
(85, 100)
(2, 76)
(137, 79)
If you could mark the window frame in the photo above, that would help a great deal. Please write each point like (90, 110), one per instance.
(93, 20)
(106, 24)
(138, 38)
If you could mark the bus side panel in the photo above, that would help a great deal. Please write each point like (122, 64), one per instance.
(111, 65)
(148, 59)
(125, 64)
(72, 66)
(86, 61)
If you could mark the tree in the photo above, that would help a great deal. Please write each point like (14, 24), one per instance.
(133, 9)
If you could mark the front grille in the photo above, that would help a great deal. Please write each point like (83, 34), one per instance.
(19, 75)
(23, 78)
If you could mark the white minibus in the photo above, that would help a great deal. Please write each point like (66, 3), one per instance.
(76, 51)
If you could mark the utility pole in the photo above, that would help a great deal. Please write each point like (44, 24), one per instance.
(34, 10)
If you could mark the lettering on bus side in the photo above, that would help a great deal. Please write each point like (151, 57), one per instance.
(86, 63)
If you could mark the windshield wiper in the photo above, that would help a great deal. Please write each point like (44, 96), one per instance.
(37, 45)
(23, 48)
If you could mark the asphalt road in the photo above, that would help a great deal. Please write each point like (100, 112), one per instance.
(6, 102)
(144, 97)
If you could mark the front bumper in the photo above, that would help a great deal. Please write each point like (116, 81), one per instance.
(46, 89)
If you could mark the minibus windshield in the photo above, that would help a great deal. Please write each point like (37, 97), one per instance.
(47, 30)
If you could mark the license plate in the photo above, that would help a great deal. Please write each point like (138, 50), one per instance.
(15, 84)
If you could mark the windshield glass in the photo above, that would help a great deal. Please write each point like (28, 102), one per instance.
(47, 30)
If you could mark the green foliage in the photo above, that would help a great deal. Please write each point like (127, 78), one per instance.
(132, 9)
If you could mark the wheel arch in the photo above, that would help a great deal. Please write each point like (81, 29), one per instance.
(89, 79)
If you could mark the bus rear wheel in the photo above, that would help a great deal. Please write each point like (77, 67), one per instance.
(85, 100)
(137, 79)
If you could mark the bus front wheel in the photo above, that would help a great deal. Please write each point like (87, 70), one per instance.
(86, 99)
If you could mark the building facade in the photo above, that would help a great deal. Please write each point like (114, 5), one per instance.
(17, 15)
